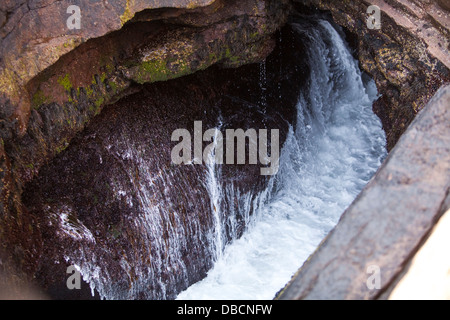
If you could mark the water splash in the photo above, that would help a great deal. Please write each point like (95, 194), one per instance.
(263, 84)
(329, 156)
(214, 186)
(146, 237)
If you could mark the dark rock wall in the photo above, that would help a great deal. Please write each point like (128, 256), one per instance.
(63, 82)
(34, 35)
(389, 221)
(408, 57)
(118, 207)
(52, 85)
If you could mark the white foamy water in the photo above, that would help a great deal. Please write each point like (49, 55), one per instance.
(327, 160)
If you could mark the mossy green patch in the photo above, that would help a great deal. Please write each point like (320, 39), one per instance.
(254, 35)
(113, 86)
(98, 103)
(127, 14)
(212, 58)
(231, 57)
(38, 99)
(89, 91)
(63, 146)
(153, 70)
(103, 77)
(65, 82)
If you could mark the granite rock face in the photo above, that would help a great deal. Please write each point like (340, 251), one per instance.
(114, 204)
(35, 34)
(386, 225)
(409, 56)
(79, 71)
(54, 81)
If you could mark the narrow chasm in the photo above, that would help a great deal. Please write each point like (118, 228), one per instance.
(136, 225)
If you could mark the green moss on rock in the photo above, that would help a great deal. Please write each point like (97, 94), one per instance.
(38, 99)
(65, 82)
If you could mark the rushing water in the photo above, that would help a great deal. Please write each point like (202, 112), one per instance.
(137, 226)
(332, 152)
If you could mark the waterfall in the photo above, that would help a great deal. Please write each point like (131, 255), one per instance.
(214, 187)
(138, 226)
(263, 84)
(223, 198)
(330, 154)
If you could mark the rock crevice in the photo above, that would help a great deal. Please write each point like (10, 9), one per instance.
(409, 56)
(54, 81)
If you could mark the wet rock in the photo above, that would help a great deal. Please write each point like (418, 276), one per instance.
(34, 34)
(383, 229)
(444, 4)
(155, 46)
(53, 81)
(137, 225)
(408, 57)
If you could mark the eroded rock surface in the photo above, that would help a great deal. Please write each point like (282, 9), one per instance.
(34, 35)
(409, 57)
(54, 81)
(138, 226)
(383, 229)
